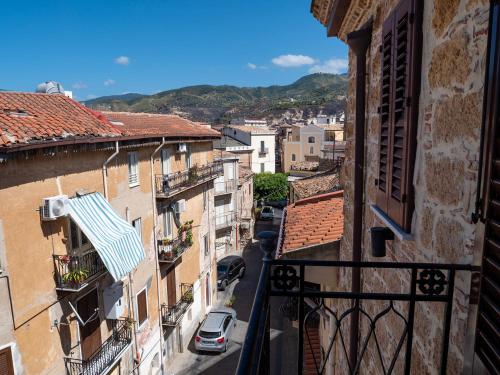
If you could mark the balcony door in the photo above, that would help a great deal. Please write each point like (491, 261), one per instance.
(90, 333)
(165, 162)
(219, 212)
(171, 288)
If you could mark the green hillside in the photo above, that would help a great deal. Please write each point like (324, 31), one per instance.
(217, 104)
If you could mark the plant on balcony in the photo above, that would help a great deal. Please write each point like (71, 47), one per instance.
(167, 241)
(75, 276)
(186, 233)
(188, 296)
(129, 322)
(193, 174)
(65, 259)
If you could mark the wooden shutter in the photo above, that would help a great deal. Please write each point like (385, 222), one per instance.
(487, 344)
(6, 365)
(142, 306)
(402, 32)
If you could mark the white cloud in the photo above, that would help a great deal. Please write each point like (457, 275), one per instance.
(251, 66)
(334, 66)
(91, 96)
(109, 82)
(122, 60)
(292, 61)
(79, 85)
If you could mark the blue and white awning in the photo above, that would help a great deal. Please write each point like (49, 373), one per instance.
(115, 240)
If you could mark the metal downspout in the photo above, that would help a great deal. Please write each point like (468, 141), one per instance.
(358, 41)
(105, 169)
(155, 242)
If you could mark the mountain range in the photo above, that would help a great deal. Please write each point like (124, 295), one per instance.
(308, 96)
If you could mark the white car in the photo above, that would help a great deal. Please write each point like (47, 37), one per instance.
(267, 213)
(215, 331)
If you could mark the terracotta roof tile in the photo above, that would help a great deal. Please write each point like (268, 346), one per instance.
(313, 221)
(314, 185)
(33, 117)
(159, 125)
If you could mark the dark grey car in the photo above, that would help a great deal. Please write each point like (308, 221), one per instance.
(228, 269)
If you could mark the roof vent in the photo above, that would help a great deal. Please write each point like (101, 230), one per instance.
(50, 87)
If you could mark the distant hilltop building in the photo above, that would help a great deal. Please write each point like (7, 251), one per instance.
(328, 120)
(248, 122)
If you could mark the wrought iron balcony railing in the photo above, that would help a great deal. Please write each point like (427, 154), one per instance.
(171, 250)
(263, 151)
(107, 355)
(73, 272)
(225, 220)
(174, 183)
(224, 187)
(426, 282)
(171, 315)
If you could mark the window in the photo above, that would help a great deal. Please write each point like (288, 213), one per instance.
(262, 167)
(293, 157)
(206, 245)
(226, 323)
(142, 306)
(262, 145)
(311, 140)
(6, 363)
(189, 158)
(167, 224)
(205, 197)
(133, 169)
(165, 162)
(79, 240)
(311, 150)
(401, 58)
(137, 224)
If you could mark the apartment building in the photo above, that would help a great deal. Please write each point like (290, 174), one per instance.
(417, 285)
(262, 141)
(248, 122)
(82, 290)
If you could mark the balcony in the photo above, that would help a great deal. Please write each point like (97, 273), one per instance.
(171, 315)
(389, 316)
(106, 356)
(175, 183)
(225, 220)
(171, 250)
(73, 272)
(225, 187)
(263, 151)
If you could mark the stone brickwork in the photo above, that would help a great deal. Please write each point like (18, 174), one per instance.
(450, 106)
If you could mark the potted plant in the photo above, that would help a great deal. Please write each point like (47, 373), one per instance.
(76, 276)
(193, 173)
(188, 297)
(129, 322)
(230, 302)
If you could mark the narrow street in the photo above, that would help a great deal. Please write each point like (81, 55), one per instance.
(283, 335)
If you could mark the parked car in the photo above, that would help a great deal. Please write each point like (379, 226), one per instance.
(278, 204)
(228, 269)
(267, 213)
(215, 331)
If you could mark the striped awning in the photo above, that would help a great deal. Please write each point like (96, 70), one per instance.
(115, 240)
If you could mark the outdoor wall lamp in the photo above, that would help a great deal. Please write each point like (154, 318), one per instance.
(379, 236)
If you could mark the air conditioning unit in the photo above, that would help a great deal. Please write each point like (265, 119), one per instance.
(180, 206)
(182, 147)
(54, 207)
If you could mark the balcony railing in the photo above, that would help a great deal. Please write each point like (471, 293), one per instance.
(171, 315)
(224, 187)
(263, 151)
(427, 282)
(73, 272)
(171, 250)
(106, 356)
(225, 220)
(174, 183)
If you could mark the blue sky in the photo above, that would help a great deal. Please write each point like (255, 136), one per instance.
(106, 47)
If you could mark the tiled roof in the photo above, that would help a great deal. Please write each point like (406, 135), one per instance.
(313, 221)
(314, 185)
(27, 118)
(149, 124)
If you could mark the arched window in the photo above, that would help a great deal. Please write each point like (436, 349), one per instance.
(311, 140)
(293, 157)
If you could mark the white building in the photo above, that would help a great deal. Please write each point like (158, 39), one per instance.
(339, 118)
(262, 141)
(248, 122)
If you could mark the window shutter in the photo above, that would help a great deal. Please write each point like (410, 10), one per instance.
(385, 111)
(142, 308)
(487, 333)
(6, 365)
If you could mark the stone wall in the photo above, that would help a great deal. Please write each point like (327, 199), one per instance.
(450, 105)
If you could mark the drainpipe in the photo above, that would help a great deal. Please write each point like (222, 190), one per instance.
(358, 41)
(155, 242)
(105, 170)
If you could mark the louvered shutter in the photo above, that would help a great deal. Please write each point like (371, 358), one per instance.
(487, 331)
(6, 365)
(396, 169)
(385, 111)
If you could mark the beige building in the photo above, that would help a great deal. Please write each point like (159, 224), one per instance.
(420, 162)
(82, 290)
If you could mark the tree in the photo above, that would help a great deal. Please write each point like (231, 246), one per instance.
(270, 186)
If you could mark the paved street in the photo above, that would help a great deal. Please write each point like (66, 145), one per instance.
(283, 335)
